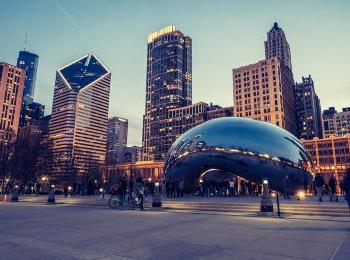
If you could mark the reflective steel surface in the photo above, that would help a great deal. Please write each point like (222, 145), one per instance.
(244, 147)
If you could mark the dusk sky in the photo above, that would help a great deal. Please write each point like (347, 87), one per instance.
(225, 34)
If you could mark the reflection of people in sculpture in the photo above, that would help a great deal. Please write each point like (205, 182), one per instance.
(286, 192)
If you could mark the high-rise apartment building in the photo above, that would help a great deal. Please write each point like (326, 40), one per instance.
(265, 91)
(276, 45)
(117, 138)
(78, 127)
(11, 92)
(308, 109)
(28, 61)
(168, 86)
(336, 123)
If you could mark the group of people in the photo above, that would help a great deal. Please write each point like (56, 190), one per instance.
(174, 187)
(229, 187)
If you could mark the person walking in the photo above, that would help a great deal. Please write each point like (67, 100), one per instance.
(346, 186)
(332, 188)
(65, 191)
(319, 182)
(139, 191)
(286, 191)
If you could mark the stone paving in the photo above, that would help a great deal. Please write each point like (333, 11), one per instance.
(34, 231)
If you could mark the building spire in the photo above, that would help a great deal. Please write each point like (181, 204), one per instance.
(25, 41)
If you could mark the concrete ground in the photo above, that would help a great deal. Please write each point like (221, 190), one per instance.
(38, 231)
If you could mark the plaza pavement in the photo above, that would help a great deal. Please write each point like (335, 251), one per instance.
(39, 231)
(230, 205)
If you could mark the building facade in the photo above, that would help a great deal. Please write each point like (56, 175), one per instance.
(11, 93)
(117, 138)
(330, 155)
(215, 111)
(308, 109)
(265, 91)
(336, 123)
(277, 45)
(168, 86)
(132, 154)
(29, 62)
(78, 127)
(184, 118)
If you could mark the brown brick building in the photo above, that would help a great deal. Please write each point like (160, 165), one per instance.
(11, 94)
(265, 91)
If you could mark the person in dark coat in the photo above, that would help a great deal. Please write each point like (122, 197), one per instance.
(332, 184)
(346, 185)
(319, 183)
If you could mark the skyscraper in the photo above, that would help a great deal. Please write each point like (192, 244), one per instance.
(276, 45)
(265, 91)
(117, 139)
(11, 93)
(28, 61)
(78, 127)
(168, 86)
(308, 109)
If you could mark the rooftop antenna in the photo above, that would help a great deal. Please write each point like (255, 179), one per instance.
(25, 41)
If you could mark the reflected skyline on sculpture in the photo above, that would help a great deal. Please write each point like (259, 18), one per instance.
(248, 148)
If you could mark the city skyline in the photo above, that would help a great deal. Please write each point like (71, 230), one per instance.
(212, 81)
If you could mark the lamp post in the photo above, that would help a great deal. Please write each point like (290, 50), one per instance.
(51, 199)
(266, 204)
(157, 199)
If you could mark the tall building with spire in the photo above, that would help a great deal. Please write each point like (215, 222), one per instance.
(78, 127)
(168, 86)
(276, 45)
(29, 62)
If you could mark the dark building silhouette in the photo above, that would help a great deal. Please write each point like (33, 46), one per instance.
(308, 109)
(117, 139)
(31, 111)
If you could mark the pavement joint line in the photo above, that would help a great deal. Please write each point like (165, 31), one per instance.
(339, 246)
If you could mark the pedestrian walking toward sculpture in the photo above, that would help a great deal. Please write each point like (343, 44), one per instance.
(65, 191)
(319, 183)
(332, 184)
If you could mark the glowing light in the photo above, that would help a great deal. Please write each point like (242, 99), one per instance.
(301, 195)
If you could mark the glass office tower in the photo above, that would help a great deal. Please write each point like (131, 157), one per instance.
(28, 61)
(78, 127)
(168, 86)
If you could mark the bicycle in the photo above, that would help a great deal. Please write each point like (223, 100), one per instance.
(131, 201)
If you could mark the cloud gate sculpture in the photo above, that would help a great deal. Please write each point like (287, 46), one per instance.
(248, 148)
